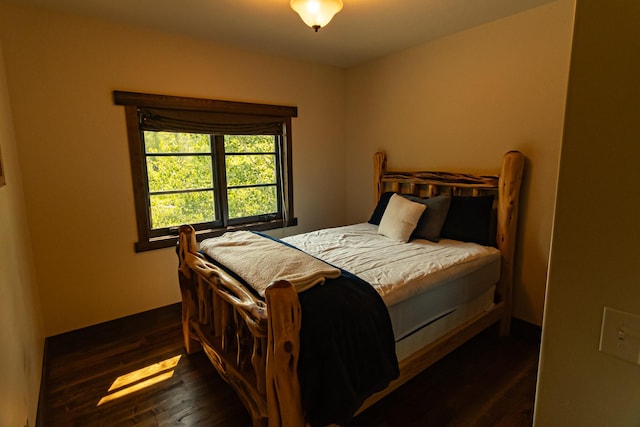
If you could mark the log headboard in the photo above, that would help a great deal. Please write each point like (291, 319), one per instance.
(505, 186)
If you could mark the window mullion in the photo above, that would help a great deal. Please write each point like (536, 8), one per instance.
(217, 151)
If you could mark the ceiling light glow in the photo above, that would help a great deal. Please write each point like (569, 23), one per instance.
(316, 13)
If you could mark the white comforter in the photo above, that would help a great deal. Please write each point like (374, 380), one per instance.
(396, 270)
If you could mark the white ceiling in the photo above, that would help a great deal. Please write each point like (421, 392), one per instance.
(363, 30)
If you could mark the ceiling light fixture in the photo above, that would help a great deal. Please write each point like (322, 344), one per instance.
(316, 13)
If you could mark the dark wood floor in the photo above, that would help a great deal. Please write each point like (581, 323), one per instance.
(490, 381)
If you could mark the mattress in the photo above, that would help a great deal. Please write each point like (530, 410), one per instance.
(438, 326)
(428, 288)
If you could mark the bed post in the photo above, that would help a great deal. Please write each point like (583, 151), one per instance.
(508, 198)
(187, 245)
(284, 405)
(379, 168)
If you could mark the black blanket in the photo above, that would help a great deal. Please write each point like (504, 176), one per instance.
(347, 348)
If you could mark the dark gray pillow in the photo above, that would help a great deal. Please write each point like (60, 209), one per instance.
(433, 218)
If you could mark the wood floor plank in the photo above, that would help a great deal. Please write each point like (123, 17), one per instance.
(489, 381)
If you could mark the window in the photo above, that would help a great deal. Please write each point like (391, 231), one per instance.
(216, 165)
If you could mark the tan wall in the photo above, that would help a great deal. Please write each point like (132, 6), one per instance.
(462, 102)
(72, 144)
(21, 335)
(595, 256)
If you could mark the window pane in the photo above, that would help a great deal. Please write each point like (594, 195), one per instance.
(172, 142)
(251, 169)
(168, 173)
(252, 201)
(249, 143)
(169, 210)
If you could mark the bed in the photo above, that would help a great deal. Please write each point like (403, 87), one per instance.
(253, 338)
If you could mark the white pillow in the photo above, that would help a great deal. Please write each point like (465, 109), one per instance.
(400, 218)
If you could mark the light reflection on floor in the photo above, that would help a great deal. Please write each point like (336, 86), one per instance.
(140, 379)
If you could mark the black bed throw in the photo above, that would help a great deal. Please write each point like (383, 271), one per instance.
(347, 349)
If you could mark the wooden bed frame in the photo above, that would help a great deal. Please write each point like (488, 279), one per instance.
(254, 343)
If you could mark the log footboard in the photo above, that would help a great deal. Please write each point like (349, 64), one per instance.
(256, 353)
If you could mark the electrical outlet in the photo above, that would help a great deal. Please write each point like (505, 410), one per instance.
(620, 335)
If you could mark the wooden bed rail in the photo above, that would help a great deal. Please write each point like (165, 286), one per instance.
(428, 183)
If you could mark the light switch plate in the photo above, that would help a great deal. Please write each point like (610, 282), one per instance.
(620, 335)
